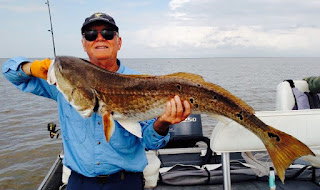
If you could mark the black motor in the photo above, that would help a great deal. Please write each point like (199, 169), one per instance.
(187, 133)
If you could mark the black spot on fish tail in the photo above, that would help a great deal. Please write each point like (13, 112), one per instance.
(239, 115)
(272, 135)
(111, 112)
(191, 100)
(196, 105)
(215, 98)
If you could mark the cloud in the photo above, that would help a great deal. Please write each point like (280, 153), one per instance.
(186, 38)
(174, 4)
(270, 13)
(263, 28)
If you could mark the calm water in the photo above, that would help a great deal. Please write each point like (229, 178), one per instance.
(27, 152)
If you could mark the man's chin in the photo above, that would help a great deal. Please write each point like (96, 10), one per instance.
(102, 55)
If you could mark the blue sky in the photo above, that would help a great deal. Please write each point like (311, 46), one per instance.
(167, 28)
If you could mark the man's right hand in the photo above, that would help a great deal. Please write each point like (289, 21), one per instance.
(176, 111)
(39, 68)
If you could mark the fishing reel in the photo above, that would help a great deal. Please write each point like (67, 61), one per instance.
(52, 129)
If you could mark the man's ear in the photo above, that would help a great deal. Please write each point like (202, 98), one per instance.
(119, 42)
(83, 44)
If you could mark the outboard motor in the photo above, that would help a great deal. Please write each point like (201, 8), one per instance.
(186, 133)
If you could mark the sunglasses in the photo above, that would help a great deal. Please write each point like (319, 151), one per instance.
(91, 35)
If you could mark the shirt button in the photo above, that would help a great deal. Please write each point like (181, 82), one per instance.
(98, 163)
(99, 123)
(99, 142)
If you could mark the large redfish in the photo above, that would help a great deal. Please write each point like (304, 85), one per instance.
(132, 98)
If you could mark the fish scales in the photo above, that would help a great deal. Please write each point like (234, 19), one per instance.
(128, 98)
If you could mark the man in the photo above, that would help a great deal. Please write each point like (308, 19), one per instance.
(95, 163)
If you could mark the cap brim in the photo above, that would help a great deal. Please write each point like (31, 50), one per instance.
(87, 24)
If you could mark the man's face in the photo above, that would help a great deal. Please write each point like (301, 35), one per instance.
(100, 48)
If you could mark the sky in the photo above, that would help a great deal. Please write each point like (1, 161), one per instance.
(166, 28)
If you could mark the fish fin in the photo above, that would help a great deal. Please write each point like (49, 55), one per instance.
(138, 76)
(183, 75)
(283, 149)
(190, 76)
(219, 90)
(108, 125)
(133, 127)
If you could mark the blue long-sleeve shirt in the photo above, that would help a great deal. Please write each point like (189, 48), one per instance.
(86, 150)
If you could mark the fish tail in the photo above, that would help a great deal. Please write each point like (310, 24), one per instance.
(108, 125)
(284, 149)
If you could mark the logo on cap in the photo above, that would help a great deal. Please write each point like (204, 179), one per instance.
(97, 15)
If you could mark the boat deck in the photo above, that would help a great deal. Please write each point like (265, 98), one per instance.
(297, 179)
(252, 185)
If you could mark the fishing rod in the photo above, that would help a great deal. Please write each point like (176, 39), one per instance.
(51, 30)
(52, 126)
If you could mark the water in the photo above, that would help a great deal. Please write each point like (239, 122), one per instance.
(27, 152)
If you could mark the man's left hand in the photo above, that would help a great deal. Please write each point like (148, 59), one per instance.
(39, 68)
(176, 111)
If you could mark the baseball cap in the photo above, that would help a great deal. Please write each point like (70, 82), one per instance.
(99, 17)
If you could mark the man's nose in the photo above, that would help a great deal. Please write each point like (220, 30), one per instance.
(100, 37)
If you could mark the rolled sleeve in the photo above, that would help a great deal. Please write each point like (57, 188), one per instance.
(151, 138)
(13, 72)
(11, 69)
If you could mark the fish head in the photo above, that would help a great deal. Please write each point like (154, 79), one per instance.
(65, 72)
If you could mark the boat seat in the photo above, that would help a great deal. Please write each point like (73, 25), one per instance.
(284, 98)
(285, 101)
(229, 136)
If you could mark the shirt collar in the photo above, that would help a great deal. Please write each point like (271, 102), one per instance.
(121, 67)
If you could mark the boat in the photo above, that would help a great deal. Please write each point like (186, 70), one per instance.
(192, 161)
